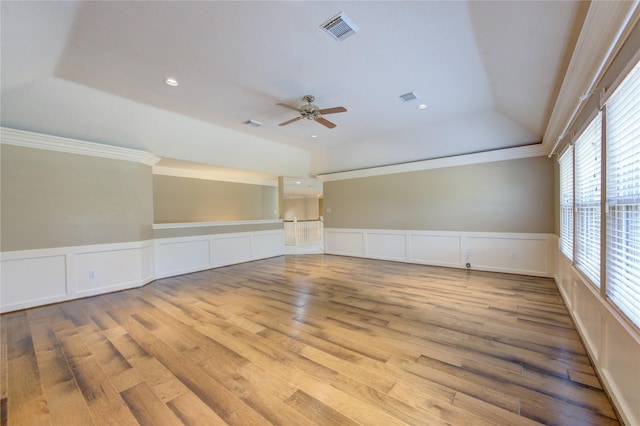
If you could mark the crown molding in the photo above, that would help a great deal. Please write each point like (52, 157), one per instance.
(213, 175)
(34, 140)
(536, 150)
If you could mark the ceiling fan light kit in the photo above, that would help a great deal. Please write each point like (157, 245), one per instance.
(312, 112)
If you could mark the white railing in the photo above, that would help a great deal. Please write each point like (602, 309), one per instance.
(298, 232)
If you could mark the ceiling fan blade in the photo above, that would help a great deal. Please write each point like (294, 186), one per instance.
(288, 106)
(325, 122)
(290, 121)
(332, 110)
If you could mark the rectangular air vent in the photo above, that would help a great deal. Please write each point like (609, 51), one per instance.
(340, 27)
(253, 123)
(409, 96)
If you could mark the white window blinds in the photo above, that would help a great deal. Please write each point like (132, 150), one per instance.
(587, 198)
(565, 163)
(623, 196)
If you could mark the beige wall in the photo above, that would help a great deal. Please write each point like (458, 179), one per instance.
(301, 208)
(179, 199)
(53, 199)
(503, 196)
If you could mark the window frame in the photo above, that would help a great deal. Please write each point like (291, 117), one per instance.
(604, 210)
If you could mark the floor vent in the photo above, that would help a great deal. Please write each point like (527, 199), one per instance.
(340, 27)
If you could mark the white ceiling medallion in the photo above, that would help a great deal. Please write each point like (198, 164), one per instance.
(340, 27)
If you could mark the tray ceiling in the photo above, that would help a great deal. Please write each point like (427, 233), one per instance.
(488, 72)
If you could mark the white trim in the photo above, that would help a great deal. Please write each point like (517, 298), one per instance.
(208, 224)
(608, 91)
(39, 277)
(509, 252)
(595, 319)
(536, 150)
(73, 146)
(606, 27)
(182, 255)
(222, 176)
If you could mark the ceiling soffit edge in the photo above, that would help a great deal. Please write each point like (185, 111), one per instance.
(438, 163)
(209, 175)
(606, 28)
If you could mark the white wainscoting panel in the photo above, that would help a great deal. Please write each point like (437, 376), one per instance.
(230, 249)
(387, 245)
(181, 255)
(435, 249)
(343, 242)
(621, 367)
(588, 317)
(175, 257)
(613, 344)
(108, 270)
(39, 277)
(268, 244)
(508, 253)
(529, 254)
(33, 280)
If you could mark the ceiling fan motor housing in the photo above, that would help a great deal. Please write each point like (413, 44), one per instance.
(310, 111)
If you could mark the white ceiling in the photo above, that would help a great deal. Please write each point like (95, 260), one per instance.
(488, 71)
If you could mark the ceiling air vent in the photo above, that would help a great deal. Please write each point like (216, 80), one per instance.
(340, 27)
(409, 96)
(253, 123)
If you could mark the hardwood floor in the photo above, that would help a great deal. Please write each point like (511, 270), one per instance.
(301, 340)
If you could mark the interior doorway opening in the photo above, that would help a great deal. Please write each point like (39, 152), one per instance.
(302, 215)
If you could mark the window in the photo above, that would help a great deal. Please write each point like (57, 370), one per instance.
(587, 200)
(623, 196)
(566, 202)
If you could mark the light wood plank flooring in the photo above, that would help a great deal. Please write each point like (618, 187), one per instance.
(301, 340)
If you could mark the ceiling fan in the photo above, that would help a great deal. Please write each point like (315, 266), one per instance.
(312, 112)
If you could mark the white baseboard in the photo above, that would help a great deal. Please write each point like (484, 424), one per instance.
(516, 253)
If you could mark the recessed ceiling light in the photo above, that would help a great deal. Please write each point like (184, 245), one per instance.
(422, 106)
(314, 136)
(171, 82)
(298, 182)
